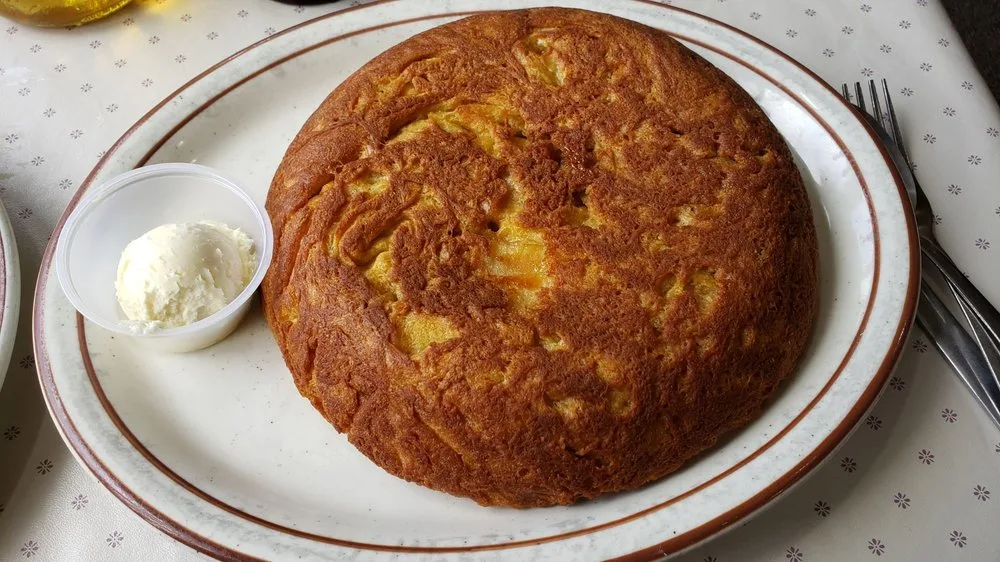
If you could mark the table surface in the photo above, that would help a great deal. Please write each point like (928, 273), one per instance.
(918, 480)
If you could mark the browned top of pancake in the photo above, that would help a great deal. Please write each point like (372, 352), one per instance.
(530, 257)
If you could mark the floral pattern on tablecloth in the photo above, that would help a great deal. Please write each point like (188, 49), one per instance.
(917, 481)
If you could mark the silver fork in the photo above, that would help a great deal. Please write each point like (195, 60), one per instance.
(974, 300)
(978, 362)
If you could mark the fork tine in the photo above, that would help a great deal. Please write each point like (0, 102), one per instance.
(845, 91)
(894, 123)
(876, 108)
(860, 95)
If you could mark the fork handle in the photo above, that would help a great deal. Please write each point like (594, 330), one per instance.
(959, 350)
(967, 292)
(991, 352)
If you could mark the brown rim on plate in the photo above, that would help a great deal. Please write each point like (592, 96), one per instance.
(176, 530)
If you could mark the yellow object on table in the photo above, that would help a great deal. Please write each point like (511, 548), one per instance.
(54, 13)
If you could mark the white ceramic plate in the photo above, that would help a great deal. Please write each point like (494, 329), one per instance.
(217, 448)
(10, 291)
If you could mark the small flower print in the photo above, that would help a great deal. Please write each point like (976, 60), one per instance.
(212, 36)
(936, 219)
(120, 63)
(981, 493)
(996, 211)
(848, 464)
(60, 67)
(147, 83)
(921, 2)
(180, 58)
(112, 108)
(115, 539)
(873, 423)
(996, 448)
(906, 92)
(128, 21)
(186, 18)
(269, 31)
(79, 502)
(876, 547)
(154, 40)
(793, 554)
(957, 539)
(12, 433)
(75, 134)
(926, 67)
(791, 33)
(66, 184)
(866, 72)
(35, 48)
(828, 52)
(920, 346)
(86, 87)
(993, 132)
(11, 30)
(944, 42)
(897, 383)
(810, 12)
(299, 9)
(710, 559)
(29, 549)
(885, 48)
(847, 30)
(982, 243)
(95, 44)
(242, 13)
(24, 91)
(755, 15)
(954, 189)
(904, 24)
(925, 456)
(866, 8)
(949, 111)
(901, 500)
(967, 85)
(949, 415)
(11, 138)
(975, 160)
(49, 112)
(821, 508)
(37, 160)
(44, 467)
(929, 138)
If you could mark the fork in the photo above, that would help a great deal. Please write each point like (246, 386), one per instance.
(967, 292)
(977, 362)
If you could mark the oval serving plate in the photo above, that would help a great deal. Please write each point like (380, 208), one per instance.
(217, 449)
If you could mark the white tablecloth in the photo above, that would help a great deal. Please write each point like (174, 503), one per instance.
(919, 480)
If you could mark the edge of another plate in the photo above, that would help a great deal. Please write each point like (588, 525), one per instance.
(10, 291)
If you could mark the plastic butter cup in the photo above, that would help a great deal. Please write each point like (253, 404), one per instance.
(127, 206)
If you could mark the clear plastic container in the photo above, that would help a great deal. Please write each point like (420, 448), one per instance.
(115, 213)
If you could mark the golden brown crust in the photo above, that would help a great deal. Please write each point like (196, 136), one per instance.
(531, 257)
